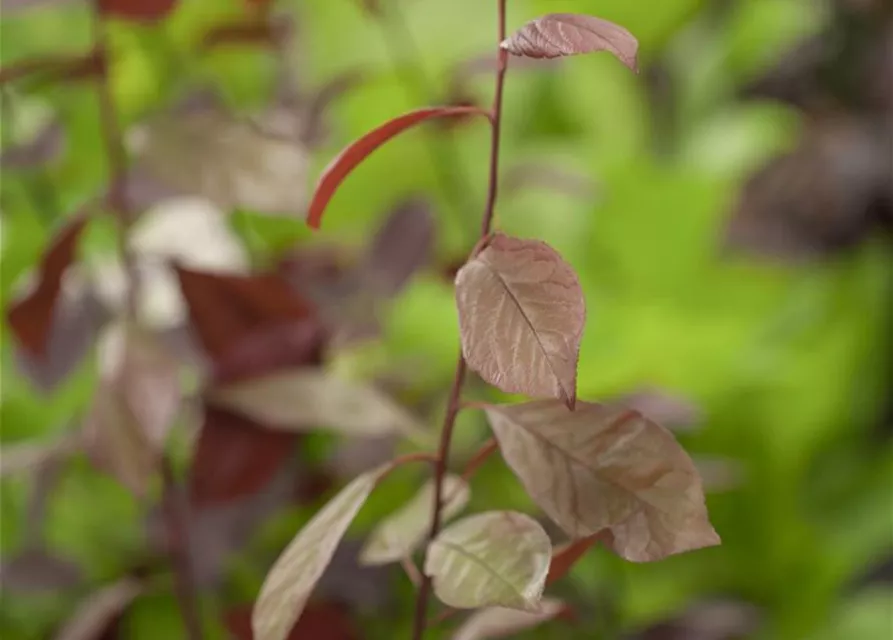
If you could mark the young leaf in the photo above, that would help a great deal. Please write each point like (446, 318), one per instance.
(497, 558)
(600, 467)
(405, 529)
(290, 582)
(94, 614)
(567, 34)
(497, 622)
(304, 398)
(521, 318)
(136, 10)
(31, 317)
(359, 150)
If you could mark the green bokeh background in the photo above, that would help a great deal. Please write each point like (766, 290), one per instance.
(786, 361)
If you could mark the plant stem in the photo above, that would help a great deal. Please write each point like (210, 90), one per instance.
(174, 508)
(455, 398)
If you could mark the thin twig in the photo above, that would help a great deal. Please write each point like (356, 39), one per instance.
(480, 458)
(174, 507)
(453, 404)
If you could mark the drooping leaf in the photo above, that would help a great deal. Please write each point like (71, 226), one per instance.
(136, 10)
(305, 398)
(497, 558)
(498, 622)
(359, 150)
(600, 467)
(566, 34)
(235, 457)
(95, 613)
(290, 582)
(521, 318)
(31, 317)
(403, 531)
(235, 163)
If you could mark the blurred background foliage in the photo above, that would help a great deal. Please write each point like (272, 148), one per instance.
(764, 305)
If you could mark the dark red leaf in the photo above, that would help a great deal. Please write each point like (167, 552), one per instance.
(269, 349)
(136, 10)
(235, 457)
(31, 317)
(566, 34)
(356, 152)
(225, 308)
(319, 620)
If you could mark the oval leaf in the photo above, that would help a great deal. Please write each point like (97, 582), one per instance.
(304, 399)
(567, 34)
(498, 622)
(497, 558)
(521, 318)
(405, 529)
(602, 466)
(290, 582)
(354, 154)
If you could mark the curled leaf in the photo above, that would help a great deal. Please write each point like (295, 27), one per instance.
(497, 622)
(31, 317)
(521, 318)
(497, 558)
(359, 150)
(304, 398)
(567, 34)
(600, 467)
(290, 582)
(405, 529)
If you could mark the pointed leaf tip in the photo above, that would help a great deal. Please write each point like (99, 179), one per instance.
(359, 150)
(567, 34)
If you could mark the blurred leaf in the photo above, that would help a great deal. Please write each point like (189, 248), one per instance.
(600, 466)
(292, 578)
(304, 399)
(497, 558)
(533, 298)
(21, 457)
(565, 34)
(134, 407)
(31, 316)
(36, 570)
(401, 533)
(96, 612)
(78, 317)
(223, 308)
(402, 246)
(235, 457)
(497, 622)
(234, 163)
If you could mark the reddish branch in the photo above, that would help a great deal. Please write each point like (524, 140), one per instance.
(174, 506)
(453, 405)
